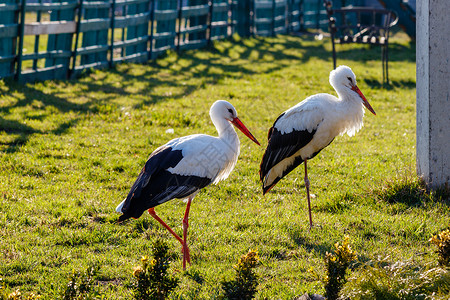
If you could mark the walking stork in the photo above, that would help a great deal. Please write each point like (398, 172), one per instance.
(185, 165)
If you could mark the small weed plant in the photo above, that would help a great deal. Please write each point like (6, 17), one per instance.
(244, 285)
(152, 280)
(442, 242)
(82, 285)
(337, 264)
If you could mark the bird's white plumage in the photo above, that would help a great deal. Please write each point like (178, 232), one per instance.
(325, 115)
(206, 156)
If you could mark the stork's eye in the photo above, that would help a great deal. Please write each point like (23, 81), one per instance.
(350, 79)
(230, 111)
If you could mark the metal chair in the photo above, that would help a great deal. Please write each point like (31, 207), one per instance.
(362, 25)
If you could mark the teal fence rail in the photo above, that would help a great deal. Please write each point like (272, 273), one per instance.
(59, 39)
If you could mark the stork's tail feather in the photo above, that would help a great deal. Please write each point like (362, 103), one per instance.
(120, 206)
(124, 216)
(267, 188)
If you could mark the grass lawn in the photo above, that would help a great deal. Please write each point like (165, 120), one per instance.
(70, 151)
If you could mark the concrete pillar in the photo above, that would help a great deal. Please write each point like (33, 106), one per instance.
(433, 91)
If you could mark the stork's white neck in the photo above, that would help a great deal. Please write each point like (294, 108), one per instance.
(231, 144)
(344, 93)
(226, 132)
(351, 111)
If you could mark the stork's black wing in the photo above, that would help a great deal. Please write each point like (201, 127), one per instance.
(156, 185)
(281, 146)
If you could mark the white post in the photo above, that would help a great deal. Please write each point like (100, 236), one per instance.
(433, 92)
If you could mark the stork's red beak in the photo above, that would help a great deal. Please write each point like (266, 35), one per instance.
(365, 102)
(236, 122)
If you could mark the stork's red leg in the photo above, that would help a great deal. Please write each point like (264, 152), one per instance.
(152, 213)
(185, 249)
(307, 194)
(186, 256)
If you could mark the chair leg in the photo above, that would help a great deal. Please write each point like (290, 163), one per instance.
(334, 52)
(387, 62)
(383, 59)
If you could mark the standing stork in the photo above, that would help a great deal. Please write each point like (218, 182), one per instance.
(302, 131)
(185, 165)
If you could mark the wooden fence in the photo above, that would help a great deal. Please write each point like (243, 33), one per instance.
(58, 39)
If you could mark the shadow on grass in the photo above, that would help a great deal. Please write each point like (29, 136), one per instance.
(321, 248)
(301, 241)
(20, 132)
(378, 84)
(210, 68)
(234, 58)
(412, 192)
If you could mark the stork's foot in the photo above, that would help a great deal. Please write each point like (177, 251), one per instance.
(186, 256)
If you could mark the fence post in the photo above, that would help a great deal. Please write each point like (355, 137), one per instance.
(252, 18)
(301, 17)
(77, 35)
(179, 7)
(243, 18)
(152, 28)
(21, 35)
(36, 39)
(113, 27)
(210, 18)
(288, 15)
(433, 94)
(231, 12)
(273, 17)
(8, 44)
(229, 18)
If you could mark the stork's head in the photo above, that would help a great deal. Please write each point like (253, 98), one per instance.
(344, 82)
(222, 109)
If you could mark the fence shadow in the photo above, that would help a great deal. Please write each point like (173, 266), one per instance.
(32, 103)
(277, 52)
(378, 84)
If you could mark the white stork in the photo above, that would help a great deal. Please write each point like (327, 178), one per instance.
(302, 131)
(185, 165)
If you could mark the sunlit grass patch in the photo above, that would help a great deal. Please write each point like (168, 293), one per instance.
(70, 151)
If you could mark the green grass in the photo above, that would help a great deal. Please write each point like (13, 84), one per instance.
(70, 150)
